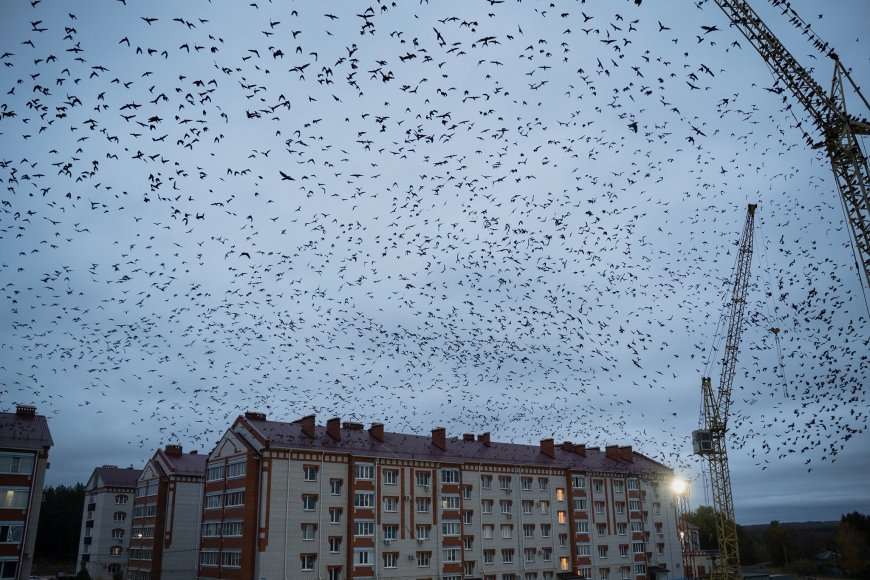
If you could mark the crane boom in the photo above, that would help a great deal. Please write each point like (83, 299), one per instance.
(710, 441)
(839, 129)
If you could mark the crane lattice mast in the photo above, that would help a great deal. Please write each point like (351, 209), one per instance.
(709, 442)
(839, 129)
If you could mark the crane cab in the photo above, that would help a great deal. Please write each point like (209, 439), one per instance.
(702, 441)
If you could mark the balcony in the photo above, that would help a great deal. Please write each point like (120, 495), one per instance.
(87, 541)
(92, 507)
(89, 524)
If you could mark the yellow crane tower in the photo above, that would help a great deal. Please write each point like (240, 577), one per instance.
(709, 442)
(838, 128)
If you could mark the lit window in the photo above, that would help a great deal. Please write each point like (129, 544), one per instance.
(563, 562)
(560, 494)
(14, 498)
(562, 517)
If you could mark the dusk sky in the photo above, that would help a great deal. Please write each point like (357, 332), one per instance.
(508, 216)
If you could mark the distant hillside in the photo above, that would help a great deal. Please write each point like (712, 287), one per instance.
(806, 539)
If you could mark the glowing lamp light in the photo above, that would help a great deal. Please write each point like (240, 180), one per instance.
(679, 486)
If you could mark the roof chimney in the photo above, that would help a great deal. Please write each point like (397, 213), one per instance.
(255, 415)
(568, 446)
(353, 426)
(612, 452)
(333, 428)
(484, 438)
(580, 449)
(307, 424)
(439, 438)
(173, 450)
(194, 452)
(625, 454)
(377, 431)
(547, 448)
(468, 436)
(25, 410)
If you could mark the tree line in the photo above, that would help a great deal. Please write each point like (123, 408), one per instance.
(842, 547)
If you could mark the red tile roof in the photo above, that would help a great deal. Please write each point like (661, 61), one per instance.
(114, 477)
(420, 447)
(17, 432)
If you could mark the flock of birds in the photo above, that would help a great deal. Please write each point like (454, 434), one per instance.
(510, 217)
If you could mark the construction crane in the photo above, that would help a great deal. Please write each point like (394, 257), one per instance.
(709, 441)
(839, 129)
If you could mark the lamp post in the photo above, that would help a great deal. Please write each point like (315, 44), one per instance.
(680, 488)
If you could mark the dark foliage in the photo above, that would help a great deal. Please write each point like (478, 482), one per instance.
(60, 521)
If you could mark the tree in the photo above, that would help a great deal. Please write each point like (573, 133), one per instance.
(83, 574)
(705, 518)
(853, 543)
(778, 541)
(60, 521)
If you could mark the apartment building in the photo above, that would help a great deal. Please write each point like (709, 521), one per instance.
(24, 444)
(106, 521)
(297, 500)
(164, 535)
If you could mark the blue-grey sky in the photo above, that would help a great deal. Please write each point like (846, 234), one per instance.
(515, 217)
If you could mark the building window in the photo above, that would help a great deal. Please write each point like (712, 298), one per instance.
(529, 554)
(334, 545)
(391, 532)
(450, 528)
(504, 482)
(581, 527)
(450, 502)
(597, 485)
(364, 471)
(632, 484)
(623, 550)
(562, 517)
(543, 483)
(309, 503)
(599, 507)
(121, 499)
(560, 494)
(231, 559)
(545, 530)
(640, 569)
(564, 564)
(636, 526)
(214, 473)
(602, 551)
(486, 506)
(601, 529)
(423, 532)
(309, 531)
(486, 481)
(507, 531)
(468, 542)
(423, 559)
(391, 476)
(452, 555)
(621, 529)
(423, 478)
(526, 483)
(527, 506)
(391, 560)
(236, 469)
(335, 486)
(466, 492)
(487, 531)
(507, 556)
(14, 498)
(116, 551)
(14, 463)
(212, 501)
(466, 517)
(604, 574)
(208, 558)
(364, 499)
(391, 504)
(547, 554)
(118, 533)
(334, 515)
(505, 505)
(618, 487)
(309, 473)
(578, 482)
(449, 476)
(488, 556)
(633, 505)
(234, 498)
(424, 504)
(638, 547)
(563, 540)
(579, 504)
(308, 561)
(657, 508)
(119, 516)
(583, 550)
(545, 507)
(334, 573)
(364, 528)
(209, 530)
(11, 533)
(528, 530)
